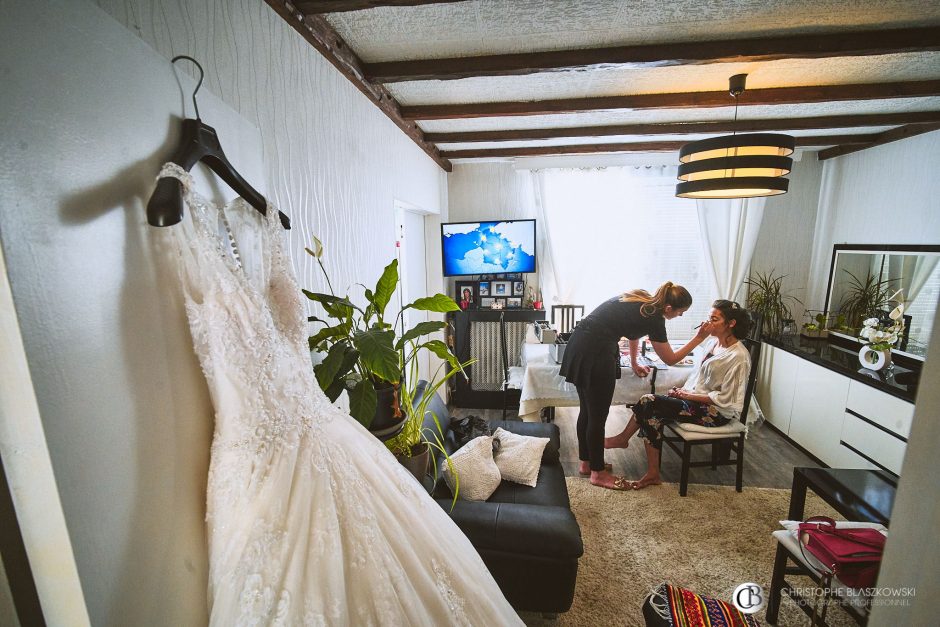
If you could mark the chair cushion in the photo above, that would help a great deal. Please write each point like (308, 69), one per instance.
(699, 432)
(519, 457)
(551, 489)
(477, 472)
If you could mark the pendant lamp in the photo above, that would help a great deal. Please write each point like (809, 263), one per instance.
(736, 166)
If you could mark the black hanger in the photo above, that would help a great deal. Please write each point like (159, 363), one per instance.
(199, 142)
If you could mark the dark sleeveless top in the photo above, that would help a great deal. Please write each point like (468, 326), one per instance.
(592, 353)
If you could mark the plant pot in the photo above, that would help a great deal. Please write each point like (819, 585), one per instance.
(389, 418)
(816, 334)
(874, 359)
(417, 462)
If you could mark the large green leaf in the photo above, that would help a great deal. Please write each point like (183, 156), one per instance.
(326, 333)
(422, 328)
(327, 369)
(362, 402)
(440, 349)
(337, 306)
(439, 303)
(335, 389)
(377, 353)
(386, 287)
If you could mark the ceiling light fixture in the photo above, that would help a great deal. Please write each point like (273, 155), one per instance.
(736, 166)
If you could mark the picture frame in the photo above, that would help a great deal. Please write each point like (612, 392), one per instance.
(502, 288)
(483, 289)
(486, 302)
(513, 276)
(498, 303)
(467, 294)
(514, 302)
(518, 288)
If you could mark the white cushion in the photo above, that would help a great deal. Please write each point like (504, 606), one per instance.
(689, 431)
(474, 466)
(519, 457)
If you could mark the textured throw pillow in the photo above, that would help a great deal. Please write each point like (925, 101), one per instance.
(519, 457)
(478, 474)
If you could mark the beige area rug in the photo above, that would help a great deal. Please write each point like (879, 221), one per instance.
(709, 541)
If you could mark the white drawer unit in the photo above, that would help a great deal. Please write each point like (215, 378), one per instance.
(894, 414)
(818, 408)
(872, 442)
(776, 384)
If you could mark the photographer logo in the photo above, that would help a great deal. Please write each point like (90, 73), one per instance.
(749, 598)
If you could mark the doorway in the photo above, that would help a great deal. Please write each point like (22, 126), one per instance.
(412, 267)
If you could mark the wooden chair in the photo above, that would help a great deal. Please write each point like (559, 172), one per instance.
(568, 317)
(512, 375)
(723, 440)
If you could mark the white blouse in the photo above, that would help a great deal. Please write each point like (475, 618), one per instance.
(723, 377)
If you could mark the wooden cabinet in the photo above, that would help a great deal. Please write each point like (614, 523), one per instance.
(776, 384)
(843, 422)
(818, 411)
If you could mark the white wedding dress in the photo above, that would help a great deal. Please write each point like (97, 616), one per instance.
(311, 520)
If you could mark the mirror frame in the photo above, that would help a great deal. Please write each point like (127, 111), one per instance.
(873, 248)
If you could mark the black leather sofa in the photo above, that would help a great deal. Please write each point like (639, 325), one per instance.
(527, 537)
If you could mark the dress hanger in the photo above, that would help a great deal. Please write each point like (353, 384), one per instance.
(199, 142)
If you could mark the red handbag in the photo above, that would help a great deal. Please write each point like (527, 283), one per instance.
(852, 555)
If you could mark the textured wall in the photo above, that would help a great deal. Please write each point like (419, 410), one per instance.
(884, 195)
(785, 242)
(333, 161)
(89, 111)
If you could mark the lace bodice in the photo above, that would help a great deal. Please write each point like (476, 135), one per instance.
(310, 519)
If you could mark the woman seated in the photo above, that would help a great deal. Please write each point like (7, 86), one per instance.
(712, 397)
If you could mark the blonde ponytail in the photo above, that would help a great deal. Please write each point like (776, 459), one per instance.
(668, 293)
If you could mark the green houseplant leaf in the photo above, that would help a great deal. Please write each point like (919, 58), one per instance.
(385, 287)
(362, 402)
(439, 303)
(378, 355)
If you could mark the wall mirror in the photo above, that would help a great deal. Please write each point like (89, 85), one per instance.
(863, 277)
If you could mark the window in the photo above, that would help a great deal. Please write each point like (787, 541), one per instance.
(618, 229)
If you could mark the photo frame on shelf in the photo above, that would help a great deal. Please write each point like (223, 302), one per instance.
(483, 288)
(498, 303)
(467, 295)
(514, 302)
(518, 288)
(486, 302)
(513, 276)
(502, 288)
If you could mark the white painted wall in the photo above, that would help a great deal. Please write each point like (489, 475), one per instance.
(785, 243)
(88, 113)
(884, 195)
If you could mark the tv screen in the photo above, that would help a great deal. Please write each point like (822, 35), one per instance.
(488, 247)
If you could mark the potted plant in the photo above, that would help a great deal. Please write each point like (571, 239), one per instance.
(817, 328)
(863, 298)
(368, 356)
(765, 297)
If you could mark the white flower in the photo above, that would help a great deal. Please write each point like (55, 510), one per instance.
(871, 322)
(865, 333)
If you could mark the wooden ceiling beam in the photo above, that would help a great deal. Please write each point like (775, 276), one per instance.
(663, 146)
(687, 128)
(313, 7)
(893, 135)
(687, 100)
(319, 34)
(810, 46)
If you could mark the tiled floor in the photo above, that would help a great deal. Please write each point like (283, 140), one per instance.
(769, 458)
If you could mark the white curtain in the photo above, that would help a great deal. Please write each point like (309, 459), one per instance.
(609, 230)
(729, 229)
(911, 272)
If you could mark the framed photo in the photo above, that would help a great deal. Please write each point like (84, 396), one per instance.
(484, 288)
(498, 303)
(518, 288)
(513, 275)
(486, 302)
(467, 296)
(502, 288)
(514, 302)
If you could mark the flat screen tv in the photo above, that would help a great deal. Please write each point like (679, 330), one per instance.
(488, 247)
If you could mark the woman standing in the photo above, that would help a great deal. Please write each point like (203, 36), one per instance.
(712, 397)
(592, 362)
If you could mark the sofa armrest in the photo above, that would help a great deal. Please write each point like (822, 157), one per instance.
(536, 430)
(545, 531)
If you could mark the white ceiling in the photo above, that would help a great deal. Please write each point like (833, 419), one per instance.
(490, 27)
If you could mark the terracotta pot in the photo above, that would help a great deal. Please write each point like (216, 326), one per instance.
(417, 463)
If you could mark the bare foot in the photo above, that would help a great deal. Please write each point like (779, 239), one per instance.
(604, 479)
(646, 480)
(617, 441)
(584, 468)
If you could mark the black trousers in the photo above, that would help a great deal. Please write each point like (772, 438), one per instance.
(595, 399)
